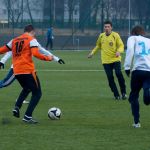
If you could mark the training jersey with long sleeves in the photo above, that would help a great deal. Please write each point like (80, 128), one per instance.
(109, 45)
(138, 51)
(42, 50)
(23, 48)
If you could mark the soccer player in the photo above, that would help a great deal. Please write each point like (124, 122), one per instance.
(50, 38)
(138, 52)
(23, 48)
(10, 77)
(111, 46)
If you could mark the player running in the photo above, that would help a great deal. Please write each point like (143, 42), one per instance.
(138, 52)
(111, 45)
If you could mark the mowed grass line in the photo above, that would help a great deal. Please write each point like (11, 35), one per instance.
(91, 119)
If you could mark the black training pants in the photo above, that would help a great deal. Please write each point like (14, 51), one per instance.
(139, 79)
(109, 72)
(29, 83)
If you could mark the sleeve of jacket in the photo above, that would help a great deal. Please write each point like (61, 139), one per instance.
(34, 45)
(120, 45)
(37, 54)
(129, 53)
(6, 57)
(42, 50)
(98, 45)
(4, 49)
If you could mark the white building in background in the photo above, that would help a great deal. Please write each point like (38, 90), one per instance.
(36, 7)
(21, 11)
(3, 12)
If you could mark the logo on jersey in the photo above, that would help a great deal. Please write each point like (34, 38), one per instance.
(111, 43)
(144, 51)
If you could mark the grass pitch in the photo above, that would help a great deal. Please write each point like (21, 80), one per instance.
(91, 118)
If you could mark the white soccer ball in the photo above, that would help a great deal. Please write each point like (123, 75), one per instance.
(54, 113)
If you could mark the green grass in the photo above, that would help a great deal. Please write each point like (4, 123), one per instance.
(91, 119)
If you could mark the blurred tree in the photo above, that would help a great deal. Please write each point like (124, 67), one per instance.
(102, 14)
(120, 13)
(95, 11)
(71, 7)
(108, 8)
(47, 12)
(14, 11)
(84, 13)
(141, 11)
(29, 11)
(58, 12)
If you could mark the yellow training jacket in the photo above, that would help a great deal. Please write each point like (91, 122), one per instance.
(109, 45)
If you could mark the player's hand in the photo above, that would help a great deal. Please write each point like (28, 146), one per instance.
(61, 61)
(117, 54)
(90, 55)
(127, 72)
(1, 65)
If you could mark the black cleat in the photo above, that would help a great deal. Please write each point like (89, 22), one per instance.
(117, 97)
(29, 120)
(16, 112)
(124, 96)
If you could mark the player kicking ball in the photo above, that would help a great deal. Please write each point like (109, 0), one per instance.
(23, 48)
(10, 77)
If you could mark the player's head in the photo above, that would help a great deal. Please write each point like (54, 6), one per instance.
(108, 27)
(29, 29)
(138, 30)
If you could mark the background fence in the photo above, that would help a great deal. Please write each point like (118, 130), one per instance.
(76, 23)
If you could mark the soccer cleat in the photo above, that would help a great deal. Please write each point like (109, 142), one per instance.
(29, 120)
(16, 112)
(136, 125)
(117, 97)
(124, 96)
(25, 102)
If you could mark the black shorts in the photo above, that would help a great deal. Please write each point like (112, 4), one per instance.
(30, 82)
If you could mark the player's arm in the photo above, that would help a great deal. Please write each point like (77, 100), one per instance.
(96, 48)
(36, 53)
(129, 54)
(3, 50)
(120, 45)
(6, 48)
(47, 53)
(5, 58)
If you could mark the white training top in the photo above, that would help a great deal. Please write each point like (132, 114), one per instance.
(138, 51)
(41, 50)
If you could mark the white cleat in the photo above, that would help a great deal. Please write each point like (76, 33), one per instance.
(25, 102)
(136, 125)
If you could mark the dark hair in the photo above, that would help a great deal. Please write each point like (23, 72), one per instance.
(108, 22)
(138, 30)
(28, 28)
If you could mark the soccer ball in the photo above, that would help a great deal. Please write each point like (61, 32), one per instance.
(54, 113)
